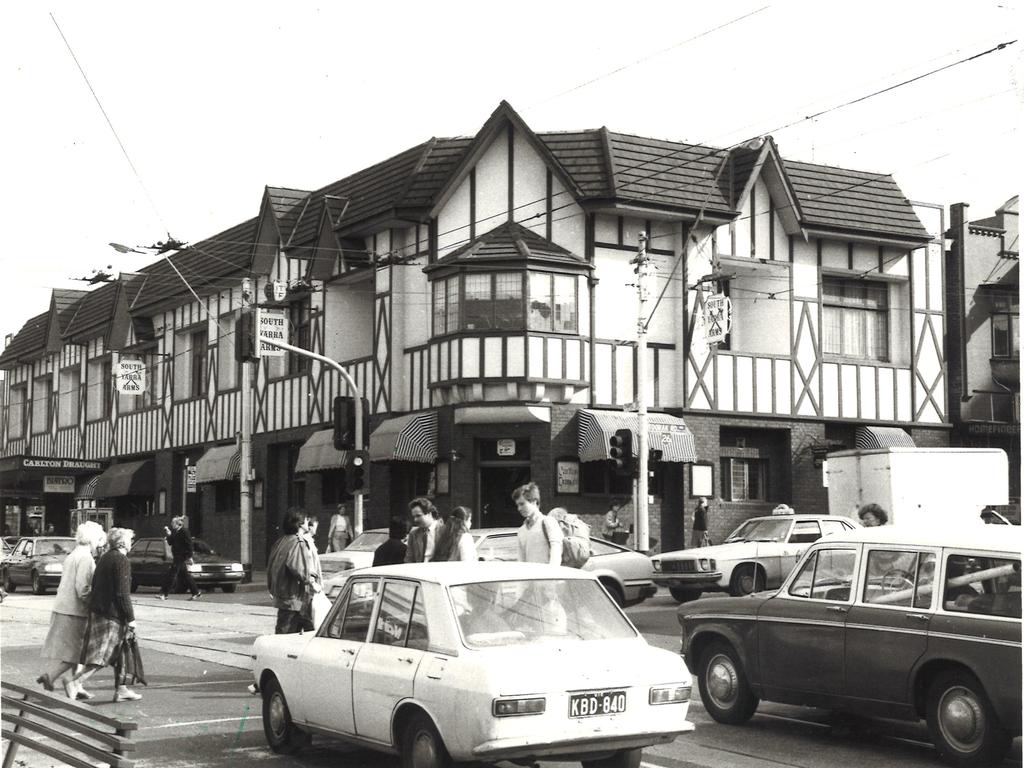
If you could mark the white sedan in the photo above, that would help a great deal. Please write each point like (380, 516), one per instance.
(758, 555)
(452, 662)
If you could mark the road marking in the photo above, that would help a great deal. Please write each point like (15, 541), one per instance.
(192, 722)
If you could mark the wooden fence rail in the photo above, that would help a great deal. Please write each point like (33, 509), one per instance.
(58, 727)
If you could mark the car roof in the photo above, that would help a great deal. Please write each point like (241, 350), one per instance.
(799, 516)
(450, 573)
(972, 535)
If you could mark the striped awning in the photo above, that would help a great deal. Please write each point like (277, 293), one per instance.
(130, 478)
(220, 463)
(406, 438)
(87, 490)
(882, 437)
(668, 434)
(318, 453)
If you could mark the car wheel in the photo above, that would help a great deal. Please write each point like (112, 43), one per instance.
(615, 591)
(228, 587)
(682, 595)
(963, 726)
(723, 685)
(422, 746)
(37, 584)
(9, 584)
(282, 734)
(626, 758)
(746, 580)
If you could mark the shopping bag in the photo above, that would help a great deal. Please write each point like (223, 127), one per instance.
(128, 668)
(321, 604)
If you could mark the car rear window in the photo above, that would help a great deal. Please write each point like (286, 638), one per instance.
(367, 542)
(54, 546)
(984, 585)
(499, 613)
(900, 578)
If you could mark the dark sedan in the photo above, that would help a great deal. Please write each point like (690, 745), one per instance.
(36, 561)
(151, 558)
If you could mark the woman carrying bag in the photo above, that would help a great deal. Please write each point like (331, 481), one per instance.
(111, 614)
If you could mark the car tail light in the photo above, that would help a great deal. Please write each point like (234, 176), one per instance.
(513, 707)
(676, 693)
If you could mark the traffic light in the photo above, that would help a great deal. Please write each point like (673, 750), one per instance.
(245, 336)
(654, 455)
(344, 418)
(357, 463)
(620, 449)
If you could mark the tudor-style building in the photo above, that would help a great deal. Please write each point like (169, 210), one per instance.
(983, 295)
(481, 292)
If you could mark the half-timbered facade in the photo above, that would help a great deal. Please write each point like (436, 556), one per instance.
(482, 293)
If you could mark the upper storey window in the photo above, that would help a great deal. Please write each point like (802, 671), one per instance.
(1005, 320)
(856, 318)
(497, 300)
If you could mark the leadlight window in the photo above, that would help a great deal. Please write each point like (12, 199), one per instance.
(197, 368)
(856, 318)
(18, 411)
(485, 301)
(41, 404)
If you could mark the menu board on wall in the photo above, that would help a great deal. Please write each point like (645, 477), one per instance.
(567, 476)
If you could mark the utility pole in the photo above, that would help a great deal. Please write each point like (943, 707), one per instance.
(245, 445)
(643, 269)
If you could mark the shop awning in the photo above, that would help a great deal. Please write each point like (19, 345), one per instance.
(87, 490)
(668, 434)
(503, 414)
(131, 478)
(406, 438)
(318, 453)
(882, 437)
(220, 463)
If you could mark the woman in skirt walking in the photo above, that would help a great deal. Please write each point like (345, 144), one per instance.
(68, 621)
(110, 610)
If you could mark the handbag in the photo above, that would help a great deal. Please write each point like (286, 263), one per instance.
(128, 668)
(320, 605)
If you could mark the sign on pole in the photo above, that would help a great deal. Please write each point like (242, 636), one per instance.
(271, 324)
(130, 376)
(717, 317)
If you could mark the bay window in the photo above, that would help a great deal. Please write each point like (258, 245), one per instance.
(495, 301)
(855, 318)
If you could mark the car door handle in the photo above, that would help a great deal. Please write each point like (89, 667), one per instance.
(406, 659)
(349, 651)
(293, 655)
(836, 608)
(918, 616)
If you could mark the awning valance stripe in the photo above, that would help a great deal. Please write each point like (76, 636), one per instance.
(406, 438)
(668, 434)
(220, 463)
(130, 478)
(882, 437)
(318, 453)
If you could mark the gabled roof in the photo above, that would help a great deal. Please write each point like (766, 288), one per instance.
(509, 241)
(28, 344)
(209, 264)
(94, 314)
(286, 204)
(64, 302)
(846, 200)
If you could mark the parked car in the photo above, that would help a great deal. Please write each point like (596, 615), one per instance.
(625, 573)
(482, 662)
(358, 554)
(151, 558)
(36, 561)
(894, 622)
(758, 555)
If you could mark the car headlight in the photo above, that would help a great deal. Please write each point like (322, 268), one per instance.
(513, 707)
(53, 568)
(194, 568)
(705, 564)
(676, 693)
(237, 567)
(657, 565)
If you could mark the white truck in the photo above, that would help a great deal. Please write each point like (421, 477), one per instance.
(919, 486)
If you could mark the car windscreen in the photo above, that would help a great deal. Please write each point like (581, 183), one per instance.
(202, 548)
(54, 546)
(500, 613)
(760, 530)
(367, 542)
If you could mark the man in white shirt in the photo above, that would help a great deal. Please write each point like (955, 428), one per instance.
(540, 537)
(423, 536)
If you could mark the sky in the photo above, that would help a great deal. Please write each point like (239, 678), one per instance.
(203, 104)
